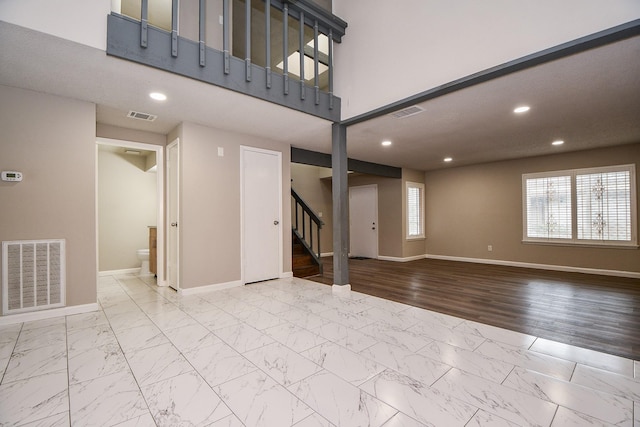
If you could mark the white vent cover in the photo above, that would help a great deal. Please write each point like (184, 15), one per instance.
(141, 116)
(406, 112)
(33, 275)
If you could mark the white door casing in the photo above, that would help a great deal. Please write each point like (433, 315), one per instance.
(173, 213)
(261, 187)
(363, 221)
(160, 197)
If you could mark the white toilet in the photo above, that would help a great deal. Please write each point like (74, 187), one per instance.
(143, 256)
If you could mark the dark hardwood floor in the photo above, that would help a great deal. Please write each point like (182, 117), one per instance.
(597, 312)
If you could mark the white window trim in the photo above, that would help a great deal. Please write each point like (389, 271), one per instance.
(632, 244)
(419, 186)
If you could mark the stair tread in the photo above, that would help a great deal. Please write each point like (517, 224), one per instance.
(306, 272)
(303, 263)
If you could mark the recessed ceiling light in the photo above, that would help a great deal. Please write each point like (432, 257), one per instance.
(386, 143)
(158, 96)
(558, 142)
(448, 159)
(521, 109)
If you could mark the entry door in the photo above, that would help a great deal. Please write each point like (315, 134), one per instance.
(261, 214)
(173, 164)
(363, 221)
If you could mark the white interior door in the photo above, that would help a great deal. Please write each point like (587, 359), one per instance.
(173, 197)
(363, 221)
(261, 214)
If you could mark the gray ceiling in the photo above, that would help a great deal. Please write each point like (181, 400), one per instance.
(589, 100)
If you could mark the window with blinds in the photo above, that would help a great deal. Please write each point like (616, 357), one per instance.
(549, 207)
(604, 206)
(581, 206)
(415, 210)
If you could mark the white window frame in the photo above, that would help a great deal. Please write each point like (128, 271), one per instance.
(632, 243)
(420, 187)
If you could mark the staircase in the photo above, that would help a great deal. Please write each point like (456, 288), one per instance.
(304, 265)
(306, 249)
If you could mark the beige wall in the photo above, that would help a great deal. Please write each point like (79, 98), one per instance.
(127, 200)
(389, 212)
(51, 140)
(131, 135)
(469, 208)
(210, 234)
(436, 42)
(316, 192)
(312, 183)
(189, 26)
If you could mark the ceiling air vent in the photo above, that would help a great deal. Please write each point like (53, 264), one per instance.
(409, 111)
(141, 116)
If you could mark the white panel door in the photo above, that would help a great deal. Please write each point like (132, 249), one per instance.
(173, 164)
(261, 211)
(363, 221)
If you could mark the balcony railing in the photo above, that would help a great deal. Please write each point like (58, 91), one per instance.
(279, 51)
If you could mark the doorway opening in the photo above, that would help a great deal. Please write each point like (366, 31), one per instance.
(110, 224)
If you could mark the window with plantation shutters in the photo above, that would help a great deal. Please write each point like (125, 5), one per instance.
(549, 207)
(604, 206)
(415, 210)
(582, 206)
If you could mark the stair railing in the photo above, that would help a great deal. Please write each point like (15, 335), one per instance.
(306, 222)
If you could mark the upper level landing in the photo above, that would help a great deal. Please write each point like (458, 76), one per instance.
(274, 50)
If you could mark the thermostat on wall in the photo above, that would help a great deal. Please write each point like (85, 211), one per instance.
(11, 176)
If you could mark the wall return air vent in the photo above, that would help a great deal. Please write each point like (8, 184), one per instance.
(33, 275)
(407, 112)
(141, 116)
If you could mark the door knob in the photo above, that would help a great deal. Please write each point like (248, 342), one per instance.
(276, 222)
(174, 224)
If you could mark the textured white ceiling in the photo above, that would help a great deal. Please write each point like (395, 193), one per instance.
(589, 100)
(39, 62)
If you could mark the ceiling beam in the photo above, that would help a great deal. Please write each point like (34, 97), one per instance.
(314, 158)
(592, 41)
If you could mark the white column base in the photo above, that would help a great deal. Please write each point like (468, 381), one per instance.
(340, 289)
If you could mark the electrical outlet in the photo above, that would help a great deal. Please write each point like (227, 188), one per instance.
(490, 248)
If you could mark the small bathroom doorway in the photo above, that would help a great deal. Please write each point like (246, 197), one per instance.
(129, 203)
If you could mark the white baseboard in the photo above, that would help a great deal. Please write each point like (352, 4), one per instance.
(616, 273)
(117, 272)
(47, 314)
(398, 259)
(208, 288)
(286, 275)
(324, 254)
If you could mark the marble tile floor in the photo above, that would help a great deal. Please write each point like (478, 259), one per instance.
(290, 352)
